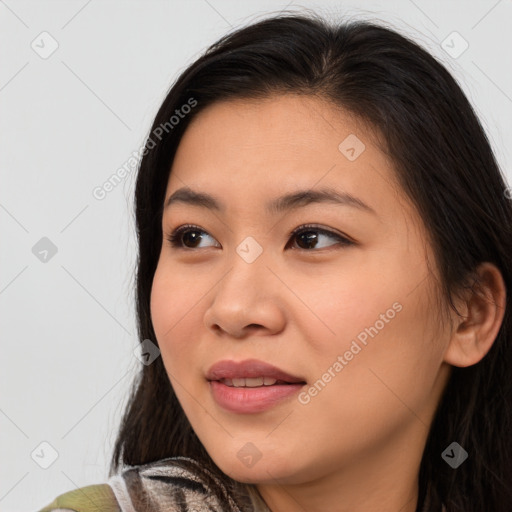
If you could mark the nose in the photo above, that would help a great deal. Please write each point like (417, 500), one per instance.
(247, 301)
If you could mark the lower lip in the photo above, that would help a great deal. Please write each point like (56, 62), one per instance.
(251, 400)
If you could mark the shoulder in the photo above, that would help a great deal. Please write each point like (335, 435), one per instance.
(173, 484)
(85, 499)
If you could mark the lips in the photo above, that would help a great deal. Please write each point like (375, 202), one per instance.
(251, 386)
(250, 373)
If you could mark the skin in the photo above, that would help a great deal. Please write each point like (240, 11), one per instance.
(357, 444)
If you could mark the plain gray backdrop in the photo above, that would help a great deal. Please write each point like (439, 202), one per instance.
(80, 82)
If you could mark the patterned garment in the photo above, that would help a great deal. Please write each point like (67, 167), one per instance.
(176, 484)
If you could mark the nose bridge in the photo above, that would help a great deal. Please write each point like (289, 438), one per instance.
(248, 266)
(244, 295)
(248, 238)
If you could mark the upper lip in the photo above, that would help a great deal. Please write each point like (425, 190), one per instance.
(228, 369)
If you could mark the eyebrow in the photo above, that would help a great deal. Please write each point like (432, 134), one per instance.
(275, 206)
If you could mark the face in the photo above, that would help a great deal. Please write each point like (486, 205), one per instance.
(342, 307)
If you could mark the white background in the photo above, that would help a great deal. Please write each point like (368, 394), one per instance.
(67, 123)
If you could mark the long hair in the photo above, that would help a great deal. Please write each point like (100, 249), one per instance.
(444, 163)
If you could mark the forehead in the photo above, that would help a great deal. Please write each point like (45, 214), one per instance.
(242, 149)
(297, 124)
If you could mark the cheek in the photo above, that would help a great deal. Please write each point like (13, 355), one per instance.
(355, 301)
(172, 314)
(378, 385)
(382, 325)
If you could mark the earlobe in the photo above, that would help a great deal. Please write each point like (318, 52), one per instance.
(482, 315)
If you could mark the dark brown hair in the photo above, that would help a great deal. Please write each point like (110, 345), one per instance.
(445, 164)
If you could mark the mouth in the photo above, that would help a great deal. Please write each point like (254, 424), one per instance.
(251, 386)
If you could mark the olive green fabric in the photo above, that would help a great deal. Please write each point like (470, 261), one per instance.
(93, 498)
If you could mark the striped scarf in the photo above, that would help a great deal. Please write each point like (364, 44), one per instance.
(173, 484)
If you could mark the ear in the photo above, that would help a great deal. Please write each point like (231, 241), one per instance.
(482, 313)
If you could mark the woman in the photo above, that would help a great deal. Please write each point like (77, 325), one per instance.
(324, 254)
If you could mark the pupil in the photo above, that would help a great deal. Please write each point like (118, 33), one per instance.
(192, 235)
(309, 236)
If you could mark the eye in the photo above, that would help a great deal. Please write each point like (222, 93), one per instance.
(188, 233)
(307, 235)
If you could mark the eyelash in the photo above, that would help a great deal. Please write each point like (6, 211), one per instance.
(174, 238)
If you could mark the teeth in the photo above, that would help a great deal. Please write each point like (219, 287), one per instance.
(254, 382)
(239, 383)
(250, 382)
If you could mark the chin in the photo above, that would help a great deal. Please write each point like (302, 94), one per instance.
(258, 470)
